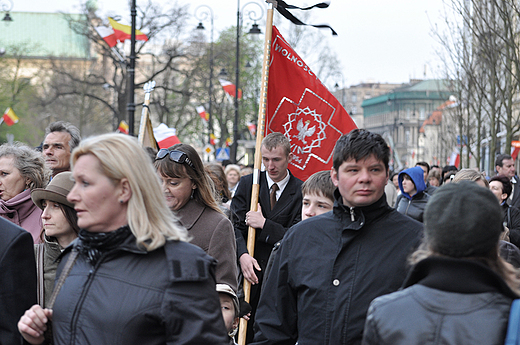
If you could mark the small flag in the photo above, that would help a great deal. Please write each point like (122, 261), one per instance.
(229, 88)
(10, 117)
(455, 159)
(252, 128)
(123, 32)
(165, 136)
(203, 113)
(108, 35)
(123, 127)
(228, 142)
(212, 139)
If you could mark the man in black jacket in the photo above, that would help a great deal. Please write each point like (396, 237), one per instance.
(328, 268)
(280, 202)
(17, 279)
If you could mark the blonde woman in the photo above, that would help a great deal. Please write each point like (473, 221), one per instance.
(135, 279)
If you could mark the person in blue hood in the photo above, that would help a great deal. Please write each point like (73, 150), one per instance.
(413, 198)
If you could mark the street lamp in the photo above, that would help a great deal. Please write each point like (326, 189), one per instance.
(6, 6)
(254, 16)
(201, 13)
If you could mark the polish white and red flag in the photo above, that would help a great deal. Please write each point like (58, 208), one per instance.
(108, 35)
(165, 136)
(229, 88)
(300, 107)
(203, 113)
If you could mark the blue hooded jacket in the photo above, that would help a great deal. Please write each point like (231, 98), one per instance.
(417, 176)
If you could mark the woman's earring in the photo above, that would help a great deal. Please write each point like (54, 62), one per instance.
(192, 191)
(121, 201)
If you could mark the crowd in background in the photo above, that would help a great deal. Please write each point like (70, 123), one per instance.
(104, 242)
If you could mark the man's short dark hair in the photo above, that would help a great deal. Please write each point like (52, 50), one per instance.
(507, 187)
(499, 161)
(424, 164)
(62, 126)
(360, 144)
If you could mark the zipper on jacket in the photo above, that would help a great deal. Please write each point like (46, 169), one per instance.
(81, 300)
(352, 214)
(407, 207)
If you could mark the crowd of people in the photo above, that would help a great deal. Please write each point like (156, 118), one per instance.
(104, 242)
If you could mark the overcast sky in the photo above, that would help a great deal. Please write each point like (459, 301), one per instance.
(378, 40)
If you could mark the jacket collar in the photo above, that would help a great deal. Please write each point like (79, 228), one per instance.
(356, 217)
(190, 213)
(457, 275)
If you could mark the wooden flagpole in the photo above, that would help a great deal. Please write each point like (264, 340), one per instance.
(258, 156)
(146, 138)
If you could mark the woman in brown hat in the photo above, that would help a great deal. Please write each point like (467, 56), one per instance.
(60, 228)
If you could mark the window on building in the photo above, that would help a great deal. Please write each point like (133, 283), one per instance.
(354, 97)
(422, 113)
(353, 110)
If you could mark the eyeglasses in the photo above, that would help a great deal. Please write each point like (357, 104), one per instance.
(176, 156)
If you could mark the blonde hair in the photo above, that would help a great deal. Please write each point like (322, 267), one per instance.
(470, 175)
(149, 218)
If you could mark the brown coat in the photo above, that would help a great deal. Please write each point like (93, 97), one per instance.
(213, 232)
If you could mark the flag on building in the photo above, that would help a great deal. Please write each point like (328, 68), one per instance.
(165, 136)
(124, 32)
(203, 113)
(123, 127)
(300, 107)
(212, 139)
(229, 88)
(9, 117)
(107, 34)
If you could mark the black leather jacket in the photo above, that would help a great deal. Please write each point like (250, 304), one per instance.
(413, 208)
(131, 296)
(446, 301)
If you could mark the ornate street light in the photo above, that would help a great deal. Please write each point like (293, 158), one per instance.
(254, 16)
(201, 13)
(6, 6)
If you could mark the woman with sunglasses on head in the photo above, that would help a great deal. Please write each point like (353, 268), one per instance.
(133, 278)
(190, 194)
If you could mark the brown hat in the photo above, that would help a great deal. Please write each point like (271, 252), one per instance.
(224, 288)
(56, 190)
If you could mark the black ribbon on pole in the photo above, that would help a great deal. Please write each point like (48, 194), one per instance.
(283, 8)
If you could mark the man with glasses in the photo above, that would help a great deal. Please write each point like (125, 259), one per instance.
(280, 202)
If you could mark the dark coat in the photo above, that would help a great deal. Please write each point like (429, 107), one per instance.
(286, 213)
(515, 201)
(131, 296)
(213, 232)
(328, 269)
(17, 279)
(446, 301)
(512, 221)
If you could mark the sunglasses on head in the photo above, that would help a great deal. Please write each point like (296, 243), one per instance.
(176, 156)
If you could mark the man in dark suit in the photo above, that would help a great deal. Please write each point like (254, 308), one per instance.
(505, 165)
(280, 202)
(17, 279)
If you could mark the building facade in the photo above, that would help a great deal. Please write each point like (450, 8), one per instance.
(399, 115)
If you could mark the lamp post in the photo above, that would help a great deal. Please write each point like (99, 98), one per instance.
(6, 6)
(130, 106)
(253, 15)
(201, 13)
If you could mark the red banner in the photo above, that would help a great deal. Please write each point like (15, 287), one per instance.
(300, 107)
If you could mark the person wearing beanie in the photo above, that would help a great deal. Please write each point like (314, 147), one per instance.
(413, 198)
(459, 290)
